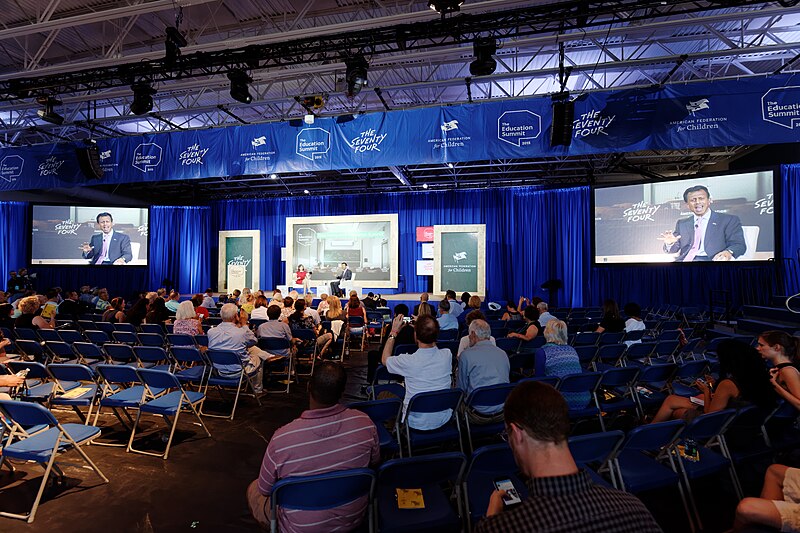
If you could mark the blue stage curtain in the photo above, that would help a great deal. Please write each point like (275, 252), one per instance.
(532, 235)
(14, 233)
(179, 247)
(790, 212)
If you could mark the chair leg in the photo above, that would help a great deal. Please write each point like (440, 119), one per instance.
(172, 432)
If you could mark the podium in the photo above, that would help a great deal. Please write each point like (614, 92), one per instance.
(237, 277)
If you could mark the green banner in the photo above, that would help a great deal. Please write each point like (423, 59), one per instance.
(459, 261)
(239, 251)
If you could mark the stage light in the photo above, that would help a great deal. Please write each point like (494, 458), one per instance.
(316, 101)
(309, 118)
(424, 185)
(48, 114)
(445, 6)
(142, 98)
(306, 191)
(173, 44)
(449, 165)
(483, 48)
(356, 75)
(273, 176)
(240, 90)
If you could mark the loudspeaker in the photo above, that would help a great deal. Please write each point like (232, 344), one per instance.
(89, 161)
(563, 117)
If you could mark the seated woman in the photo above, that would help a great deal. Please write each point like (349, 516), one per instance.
(29, 307)
(302, 278)
(611, 321)
(157, 313)
(260, 309)
(356, 309)
(557, 358)
(783, 351)
(743, 380)
(300, 320)
(634, 322)
(511, 312)
(323, 306)
(529, 330)
(115, 313)
(186, 320)
(779, 504)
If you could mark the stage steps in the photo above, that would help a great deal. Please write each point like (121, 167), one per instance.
(761, 318)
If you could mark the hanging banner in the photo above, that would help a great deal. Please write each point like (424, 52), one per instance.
(696, 115)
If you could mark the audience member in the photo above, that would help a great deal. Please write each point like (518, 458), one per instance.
(247, 302)
(446, 320)
(744, 380)
(782, 351)
(161, 292)
(275, 328)
(186, 320)
(611, 321)
(463, 344)
(115, 313)
(465, 296)
(511, 312)
(6, 321)
(309, 299)
(634, 322)
(455, 306)
(326, 438)
(173, 302)
(137, 313)
(300, 320)
(102, 303)
(302, 278)
(427, 369)
(355, 309)
(473, 303)
(404, 336)
(208, 299)
(557, 358)
(201, 310)
(423, 299)
(529, 330)
(323, 306)
(335, 311)
(481, 365)
(369, 302)
(71, 308)
(779, 504)
(561, 497)
(234, 335)
(157, 313)
(260, 309)
(28, 318)
(50, 307)
(288, 307)
(544, 314)
(426, 309)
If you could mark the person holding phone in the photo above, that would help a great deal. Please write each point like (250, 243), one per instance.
(561, 496)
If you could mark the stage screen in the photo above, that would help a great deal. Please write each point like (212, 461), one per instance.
(367, 243)
(652, 223)
(72, 235)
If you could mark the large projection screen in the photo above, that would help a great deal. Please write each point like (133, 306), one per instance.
(633, 223)
(367, 243)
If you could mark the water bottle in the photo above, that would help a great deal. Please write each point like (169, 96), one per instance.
(690, 449)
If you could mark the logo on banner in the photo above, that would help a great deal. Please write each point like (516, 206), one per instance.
(147, 157)
(259, 141)
(67, 227)
(11, 167)
(450, 126)
(142, 230)
(105, 155)
(781, 106)
(305, 236)
(193, 155)
(766, 205)
(640, 212)
(239, 260)
(519, 127)
(592, 123)
(50, 166)
(699, 105)
(313, 143)
(367, 141)
(459, 256)
(256, 155)
(695, 122)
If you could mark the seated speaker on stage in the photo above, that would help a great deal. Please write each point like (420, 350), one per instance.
(346, 275)
(302, 277)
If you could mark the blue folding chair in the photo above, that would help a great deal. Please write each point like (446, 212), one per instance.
(587, 383)
(39, 383)
(617, 392)
(190, 365)
(306, 353)
(27, 334)
(586, 356)
(356, 327)
(226, 380)
(652, 385)
(586, 338)
(122, 390)
(639, 354)
(285, 366)
(428, 473)
(707, 431)
(168, 404)
(510, 346)
(70, 335)
(684, 378)
(434, 402)
(385, 381)
(32, 350)
(532, 345)
(108, 327)
(322, 491)
(609, 356)
(553, 381)
(595, 453)
(48, 335)
(201, 340)
(121, 354)
(521, 365)
(448, 334)
(44, 446)
(380, 412)
(153, 357)
(404, 348)
(487, 464)
(84, 394)
(608, 337)
(151, 339)
(152, 328)
(483, 398)
(180, 339)
(61, 352)
(89, 353)
(123, 326)
(125, 337)
(96, 336)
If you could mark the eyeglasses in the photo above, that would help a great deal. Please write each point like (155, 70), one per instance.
(504, 435)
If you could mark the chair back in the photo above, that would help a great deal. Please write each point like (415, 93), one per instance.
(550, 380)
(666, 348)
(510, 346)
(382, 374)
(108, 327)
(70, 335)
(201, 340)
(586, 337)
(435, 401)
(379, 411)
(322, 491)
(493, 458)
(635, 335)
(710, 425)
(150, 354)
(691, 369)
(490, 395)
(49, 335)
(96, 336)
(641, 350)
(30, 348)
(435, 468)
(26, 333)
(158, 379)
(223, 357)
(355, 321)
(35, 370)
(180, 339)
(404, 348)
(653, 436)
(125, 337)
(152, 328)
(60, 349)
(595, 447)
(586, 354)
(611, 353)
(124, 326)
(584, 382)
(270, 344)
(71, 372)
(151, 339)
(89, 350)
(122, 353)
(118, 373)
(187, 354)
(657, 373)
(608, 337)
(620, 377)
(28, 414)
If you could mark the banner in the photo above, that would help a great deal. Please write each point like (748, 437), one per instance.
(762, 110)
(239, 260)
(459, 258)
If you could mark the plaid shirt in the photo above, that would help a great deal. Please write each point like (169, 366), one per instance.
(573, 504)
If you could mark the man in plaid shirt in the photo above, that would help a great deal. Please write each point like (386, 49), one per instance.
(562, 498)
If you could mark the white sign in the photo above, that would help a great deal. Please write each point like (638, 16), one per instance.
(427, 250)
(424, 267)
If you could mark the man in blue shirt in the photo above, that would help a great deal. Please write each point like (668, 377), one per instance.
(455, 306)
(481, 365)
(446, 319)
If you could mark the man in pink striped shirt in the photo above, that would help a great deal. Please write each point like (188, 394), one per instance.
(326, 438)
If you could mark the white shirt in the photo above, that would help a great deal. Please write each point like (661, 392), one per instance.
(703, 221)
(426, 370)
(259, 313)
(106, 244)
(313, 314)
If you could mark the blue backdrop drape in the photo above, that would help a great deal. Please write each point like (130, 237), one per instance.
(532, 236)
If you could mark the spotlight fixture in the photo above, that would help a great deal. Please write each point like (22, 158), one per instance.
(483, 48)
(445, 6)
(142, 98)
(356, 75)
(315, 101)
(273, 176)
(306, 191)
(173, 43)
(48, 114)
(424, 185)
(240, 90)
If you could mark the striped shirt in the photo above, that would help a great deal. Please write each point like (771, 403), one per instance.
(320, 441)
(573, 504)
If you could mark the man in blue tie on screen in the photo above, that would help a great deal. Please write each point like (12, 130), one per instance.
(108, 247)
(706, 235)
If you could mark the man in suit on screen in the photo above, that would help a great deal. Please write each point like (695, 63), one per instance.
(346, 275)
(108, 247)
(706, 235)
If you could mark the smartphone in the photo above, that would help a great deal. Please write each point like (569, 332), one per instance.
(406, 319)
(512, 496)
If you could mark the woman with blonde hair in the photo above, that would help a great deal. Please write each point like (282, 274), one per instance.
(186, 320)
(474, 302)
(335, 311)
(29, 319)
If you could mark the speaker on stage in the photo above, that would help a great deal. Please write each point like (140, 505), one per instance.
(89, 161)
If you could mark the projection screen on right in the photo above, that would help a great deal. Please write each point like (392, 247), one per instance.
(653, 223)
